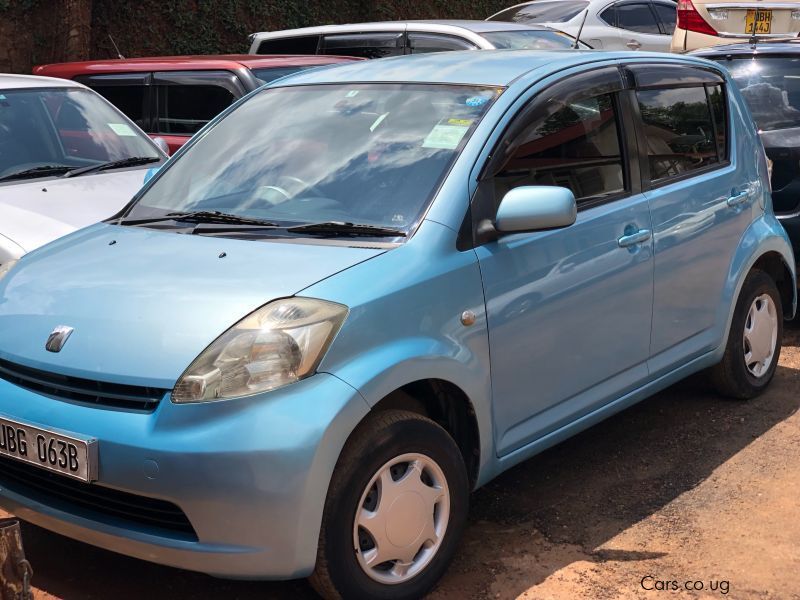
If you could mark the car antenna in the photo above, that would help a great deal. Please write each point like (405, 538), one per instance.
(113, 43)
(580, 29)
(754, 37)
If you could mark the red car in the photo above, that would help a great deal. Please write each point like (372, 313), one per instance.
(172, 97)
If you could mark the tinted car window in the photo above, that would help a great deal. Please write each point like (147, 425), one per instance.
(609, 15)
(304, 44)
(367, 45)
(770, 87)
(530, 40)
(679, 131)
(130, 99)
(576, 147)
(184, 109)
(268, 74)
(431, 42)
(719, 110)
(637, 17)
(668, 15)
(541, 12)
(63, 127)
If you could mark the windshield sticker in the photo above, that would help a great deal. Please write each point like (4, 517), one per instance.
(447, 134)
(378, 121)
(122, 129)
(476, 101)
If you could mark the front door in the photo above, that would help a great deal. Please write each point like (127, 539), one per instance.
(569, 310)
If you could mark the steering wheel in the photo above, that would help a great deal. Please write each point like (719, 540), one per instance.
(295, 185)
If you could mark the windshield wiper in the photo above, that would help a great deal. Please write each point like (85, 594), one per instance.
(201, 216)
(41, 171)
(340, 228)
(113, 164)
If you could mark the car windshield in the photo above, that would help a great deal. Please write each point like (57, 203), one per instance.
(771, 88)
(268, 74)
(533, 39)
(44, 130)
(370, 154)
(558, 11)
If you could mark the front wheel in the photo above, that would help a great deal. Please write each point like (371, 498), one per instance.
(754, 341)
(395, 510)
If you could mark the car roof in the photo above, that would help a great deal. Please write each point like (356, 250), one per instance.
(224, 62)
(442, 25)
(485, 68)
(782, 46)
(8, 82)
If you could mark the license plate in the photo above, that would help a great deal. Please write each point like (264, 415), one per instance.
(56, 452)
(758, 21)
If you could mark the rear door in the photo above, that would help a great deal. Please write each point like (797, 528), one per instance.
(639, 26)
(184, 101)
(700, 201)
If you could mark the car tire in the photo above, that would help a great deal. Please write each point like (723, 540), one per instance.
(754, 341)
(406, 458)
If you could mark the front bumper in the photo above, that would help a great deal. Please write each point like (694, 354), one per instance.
(250, 475)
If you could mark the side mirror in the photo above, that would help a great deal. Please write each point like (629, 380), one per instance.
(162, 144)
(534, 208)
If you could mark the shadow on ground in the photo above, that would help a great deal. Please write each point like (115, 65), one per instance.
(579, 494)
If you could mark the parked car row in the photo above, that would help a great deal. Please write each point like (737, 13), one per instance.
(368, 287)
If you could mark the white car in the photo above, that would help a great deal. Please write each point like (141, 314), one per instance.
(622, 25)
(68, 159)
(703, 23)
(395, 38)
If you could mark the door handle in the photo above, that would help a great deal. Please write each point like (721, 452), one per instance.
(739, 198)
(634, 238)
(634, 45)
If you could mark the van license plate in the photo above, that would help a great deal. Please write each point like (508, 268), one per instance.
(56, 452)
(759, 19)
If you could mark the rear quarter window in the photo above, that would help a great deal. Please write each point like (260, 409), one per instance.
(303, 44)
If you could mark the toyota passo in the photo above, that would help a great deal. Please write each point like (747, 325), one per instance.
(360, 294)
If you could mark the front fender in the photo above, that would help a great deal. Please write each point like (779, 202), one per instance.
(419, 358)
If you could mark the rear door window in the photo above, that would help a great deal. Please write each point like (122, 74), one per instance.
(432, 42)
(185, 101)
(302, 44)
(683, 134)
(364, 45)
(637, 17)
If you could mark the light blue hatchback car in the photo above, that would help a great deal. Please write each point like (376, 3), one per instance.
(363, 292)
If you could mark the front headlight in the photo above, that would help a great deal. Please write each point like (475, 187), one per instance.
(6, 267)
(278, 344)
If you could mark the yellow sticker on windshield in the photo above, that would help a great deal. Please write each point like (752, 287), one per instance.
(460, 122)
(122, 129)
(446, 136)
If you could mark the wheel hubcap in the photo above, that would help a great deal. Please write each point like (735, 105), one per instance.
(760, 335)
(401, 518)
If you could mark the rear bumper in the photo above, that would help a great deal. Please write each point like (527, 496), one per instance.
(251, 475)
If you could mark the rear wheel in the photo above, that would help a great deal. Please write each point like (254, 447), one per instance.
(754, 341)
(395, 510)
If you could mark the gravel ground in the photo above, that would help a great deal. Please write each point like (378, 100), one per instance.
(684, 487)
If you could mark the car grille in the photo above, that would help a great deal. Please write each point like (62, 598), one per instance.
(89, 391)
(95, 502)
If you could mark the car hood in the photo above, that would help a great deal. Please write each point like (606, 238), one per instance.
(35, 212)
(145, 303)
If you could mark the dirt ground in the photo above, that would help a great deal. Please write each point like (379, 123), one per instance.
(684, 487)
